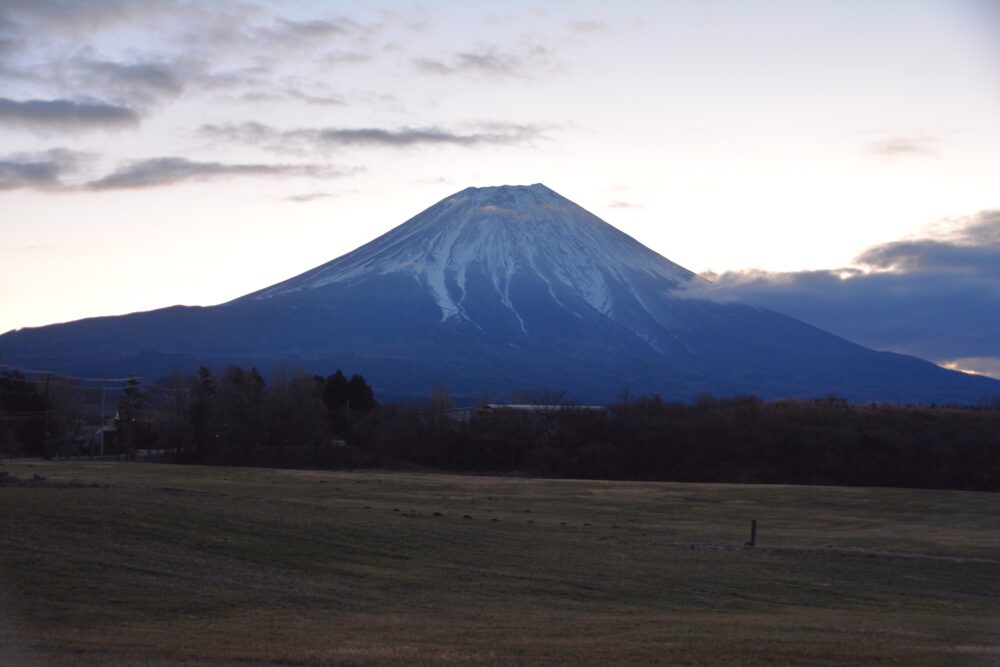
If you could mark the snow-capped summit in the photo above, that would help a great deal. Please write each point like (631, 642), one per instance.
(504, 234)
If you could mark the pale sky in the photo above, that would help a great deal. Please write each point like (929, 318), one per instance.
(159, 152)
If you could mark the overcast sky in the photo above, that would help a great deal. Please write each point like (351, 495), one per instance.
(838, 161)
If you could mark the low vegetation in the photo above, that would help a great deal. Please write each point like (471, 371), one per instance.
(131, 563)
(299, 420)
(712, 440)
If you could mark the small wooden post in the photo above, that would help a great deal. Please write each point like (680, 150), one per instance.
(753, 534)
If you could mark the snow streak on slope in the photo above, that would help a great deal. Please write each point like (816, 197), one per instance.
(502, 232)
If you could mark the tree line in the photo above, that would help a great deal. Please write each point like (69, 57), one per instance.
(233, 417)
(739, 440)
(302, 420)
(237, 417)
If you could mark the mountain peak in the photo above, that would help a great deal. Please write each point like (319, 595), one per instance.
(502, 236)
(506, 198)
(489, 190)
(534, 187)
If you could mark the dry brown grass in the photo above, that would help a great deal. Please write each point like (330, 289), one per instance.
(171, 565)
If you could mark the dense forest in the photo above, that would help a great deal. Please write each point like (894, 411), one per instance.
(300, 420)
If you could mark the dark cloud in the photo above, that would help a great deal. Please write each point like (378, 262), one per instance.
(12, 43)
(172, 170)
(53, 43)
(257, 33)
(318, 28)
(904, 147)
(145, 83)
(40, 171)
(9, 45)
(411, 136)
(117, 92)
(491, 63)
(313, 98)
(973, 247)
(81, 15)
(406, 137)
(295, 33)
(983, 229)
(933, 257)
(63, 114)
(138, 82)
(937, 298)
(60, 169)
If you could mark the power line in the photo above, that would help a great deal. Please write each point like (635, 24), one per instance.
(70, 377)
(71, 384)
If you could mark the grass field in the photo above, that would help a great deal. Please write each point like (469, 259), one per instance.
(126, 563)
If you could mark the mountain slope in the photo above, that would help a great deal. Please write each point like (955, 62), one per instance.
(497, 236)
(494, 289)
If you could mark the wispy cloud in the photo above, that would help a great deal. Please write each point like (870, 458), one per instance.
(64, 114)
(191, 49)
(618, 203)
(40, 171)
(317, 98)
(935, 297)
(308, 197)
(288, 32)
(77, 17)
(413, 136)
(256, 29)
(292, 94)
(250, 132)
(342, 57)
(172, 170)
(491, 63)
(61, 170)
(403, 137)
(899, 147)
(969, 246)
(588, 26)
(140, 83)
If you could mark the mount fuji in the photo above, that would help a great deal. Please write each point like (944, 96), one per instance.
(496, 289)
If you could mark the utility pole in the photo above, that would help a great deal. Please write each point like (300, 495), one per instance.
(102, 420)
(753, 534)
(45, 420)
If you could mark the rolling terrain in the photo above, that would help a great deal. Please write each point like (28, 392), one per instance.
(105, 563)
